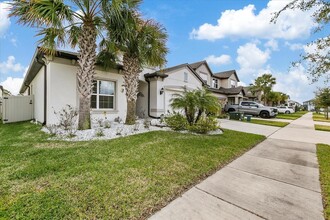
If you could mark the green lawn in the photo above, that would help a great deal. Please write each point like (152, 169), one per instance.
(323, 155)
(322, 127)
(320, 117)
(268, 122)
(292, 116)
(124, 178)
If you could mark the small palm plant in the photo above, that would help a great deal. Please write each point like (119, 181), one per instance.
(195, 103)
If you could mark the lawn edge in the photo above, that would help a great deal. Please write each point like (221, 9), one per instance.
(325, 196)
(200, 179)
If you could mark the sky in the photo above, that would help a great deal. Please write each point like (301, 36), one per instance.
(227, 34)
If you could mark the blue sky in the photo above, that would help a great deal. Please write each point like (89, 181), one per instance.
(228, 34)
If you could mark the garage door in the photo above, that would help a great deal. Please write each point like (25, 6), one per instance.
(168, 97)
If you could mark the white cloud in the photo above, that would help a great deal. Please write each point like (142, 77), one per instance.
(245, 23)
(218, 61)
(242, 84)
(4, 19)
(272, 44)
(12, 84)
(10, 66)
(251, 59)
(294, 46)
(13, 41)
(294, 83)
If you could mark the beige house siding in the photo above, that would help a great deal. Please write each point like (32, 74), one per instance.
(37, 90)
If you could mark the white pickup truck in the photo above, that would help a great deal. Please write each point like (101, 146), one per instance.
(252, 108)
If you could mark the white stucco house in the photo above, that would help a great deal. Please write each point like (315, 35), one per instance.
(309, 105)
(52, 82)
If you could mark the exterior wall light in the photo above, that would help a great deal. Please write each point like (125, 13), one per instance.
(161, 91)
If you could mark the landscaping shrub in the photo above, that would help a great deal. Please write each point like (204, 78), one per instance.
(204, 125)
(176, 121)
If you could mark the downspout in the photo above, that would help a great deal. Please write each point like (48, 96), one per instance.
(149, 115)
(45, 90)
(29, 87)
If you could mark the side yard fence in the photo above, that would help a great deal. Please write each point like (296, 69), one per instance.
(16, 108)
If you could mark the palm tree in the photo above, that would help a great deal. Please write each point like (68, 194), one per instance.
(206, 103)
(195, 103)
(274, 97)
(186, 101)
(263, 84)
(77, 23)
(284, 98)
(144, 44)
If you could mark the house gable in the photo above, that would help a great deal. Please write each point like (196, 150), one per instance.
(183, 76)
(203, 70)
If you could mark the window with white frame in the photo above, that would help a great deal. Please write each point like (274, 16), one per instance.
(103, 95)
(215, 83)
(185, 75)
(233, 83)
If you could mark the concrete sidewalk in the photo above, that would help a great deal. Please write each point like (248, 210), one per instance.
(248, 127)
(278, 179)
(302, 130)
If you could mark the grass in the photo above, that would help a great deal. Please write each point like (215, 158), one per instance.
(124, 178)
(322, 127)
(320, 117)
(270, 123)
(292, 116)
(323, 155)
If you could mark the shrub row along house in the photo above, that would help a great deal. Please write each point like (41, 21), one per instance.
(52, 81)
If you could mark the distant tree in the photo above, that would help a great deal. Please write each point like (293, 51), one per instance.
(322, 99)
(263, 84)
(274, 97)
(318, 60)
(284, 98)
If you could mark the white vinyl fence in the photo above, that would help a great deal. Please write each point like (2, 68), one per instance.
(17, 108)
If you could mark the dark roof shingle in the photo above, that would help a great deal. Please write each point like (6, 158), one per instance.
(229, 91)
(226, 74)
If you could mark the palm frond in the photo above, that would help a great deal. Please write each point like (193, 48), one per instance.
(41, 13)
(52, 38)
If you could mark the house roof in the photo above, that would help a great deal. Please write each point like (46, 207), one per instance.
(162, 72)
(37, 63)
(155, 74)
(196, 65)
(226, 74)
(170, 69)
(229, 91)
(248, 93)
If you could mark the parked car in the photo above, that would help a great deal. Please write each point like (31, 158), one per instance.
(252, 108)
(285, 110)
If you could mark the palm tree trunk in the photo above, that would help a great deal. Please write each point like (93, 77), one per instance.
(200, 112)
(86, 72)
(131, 79)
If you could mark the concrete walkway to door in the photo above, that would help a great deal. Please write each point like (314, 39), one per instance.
(278, 179)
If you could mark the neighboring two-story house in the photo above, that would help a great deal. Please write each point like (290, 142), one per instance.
(52, 82)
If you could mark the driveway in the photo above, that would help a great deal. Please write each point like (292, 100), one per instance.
(248, 127)
(278, 179)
